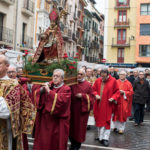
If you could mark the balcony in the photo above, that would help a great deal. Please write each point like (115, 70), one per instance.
(65, 34)
(26, 42)
(74, 37)
(95, 30)
(122, 24)
(94, 45)
(28, 8)
(101, 38)
(86, 26)
(75, 16)
(77, 34)
(69, 34)
(80, 44)
(122, 4)
(8, 2)
(6, 36)
(120, 43)
(80, 25)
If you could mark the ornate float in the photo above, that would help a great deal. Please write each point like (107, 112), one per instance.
(50, 54)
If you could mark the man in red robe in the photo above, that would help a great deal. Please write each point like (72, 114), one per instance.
(106, 92)
(53, 114)
(122, 109)
(81, 104)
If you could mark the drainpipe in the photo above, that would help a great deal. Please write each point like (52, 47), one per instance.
(16, 20)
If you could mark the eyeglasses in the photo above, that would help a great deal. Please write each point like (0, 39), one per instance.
(81, 74)
(56, 76)
(9, 72)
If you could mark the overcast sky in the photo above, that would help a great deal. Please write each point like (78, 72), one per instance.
(100, 5)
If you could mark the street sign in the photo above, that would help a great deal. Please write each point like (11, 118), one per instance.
(103, 60)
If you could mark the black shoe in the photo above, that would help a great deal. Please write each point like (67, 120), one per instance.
(88, 127)
(115, 130)
(97, 139)
(101, 141)
(131, 118)
(106, 143)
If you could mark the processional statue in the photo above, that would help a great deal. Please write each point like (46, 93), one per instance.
(51, 43)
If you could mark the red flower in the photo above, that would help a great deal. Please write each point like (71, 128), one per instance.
(77, 54)
(65, 55)
(75, 57)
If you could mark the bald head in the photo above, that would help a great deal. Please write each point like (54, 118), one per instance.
(4, 59)
(4, 64)
(12, 73)
(81, 74)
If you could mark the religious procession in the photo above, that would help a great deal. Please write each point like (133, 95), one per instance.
(52, 101)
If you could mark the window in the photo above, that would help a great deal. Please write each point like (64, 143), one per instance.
(122, 16)
(144, 29)
(123, 2)
(120, 55)
(145, 9)
(145, 50)
(121, 36)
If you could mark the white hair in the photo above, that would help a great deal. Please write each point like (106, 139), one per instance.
(123, 71)
(61, 71)
(83, 70)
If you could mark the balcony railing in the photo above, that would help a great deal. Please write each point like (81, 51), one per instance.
(74, 37)
(6, 35)
(26, 42)
(28, 8)
(80, 43)
(101, 37)
(119, 23)
(78, 34)
(122, 4)
(8, 2)
(80, 24)
(69, 33)
(120, 43)
(75, 16)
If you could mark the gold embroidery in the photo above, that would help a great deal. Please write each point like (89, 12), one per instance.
(54, 103)
(3, 135)
(88, 98)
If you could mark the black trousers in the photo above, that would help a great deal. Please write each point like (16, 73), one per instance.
(138, 113)
(74, 144)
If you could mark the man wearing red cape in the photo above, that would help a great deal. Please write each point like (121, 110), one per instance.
(17, 113)
(106, 92)
(81, 104)
(122, 109)
(53, 114)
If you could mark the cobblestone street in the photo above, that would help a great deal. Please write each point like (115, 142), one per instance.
(134, 138)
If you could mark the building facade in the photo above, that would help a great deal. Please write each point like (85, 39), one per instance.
(120, 27)
(17, 24)
(143, 33)
(93, 43)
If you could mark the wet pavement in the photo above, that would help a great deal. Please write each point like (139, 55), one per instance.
(134, 138)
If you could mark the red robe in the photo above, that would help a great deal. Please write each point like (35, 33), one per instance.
(23, 81)
(123, 108)
(80, 108)
(52, 121)
(103, 109)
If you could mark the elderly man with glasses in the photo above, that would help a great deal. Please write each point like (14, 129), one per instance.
(53, 114)
(81, 104)
(12, 73)
(123, 108)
